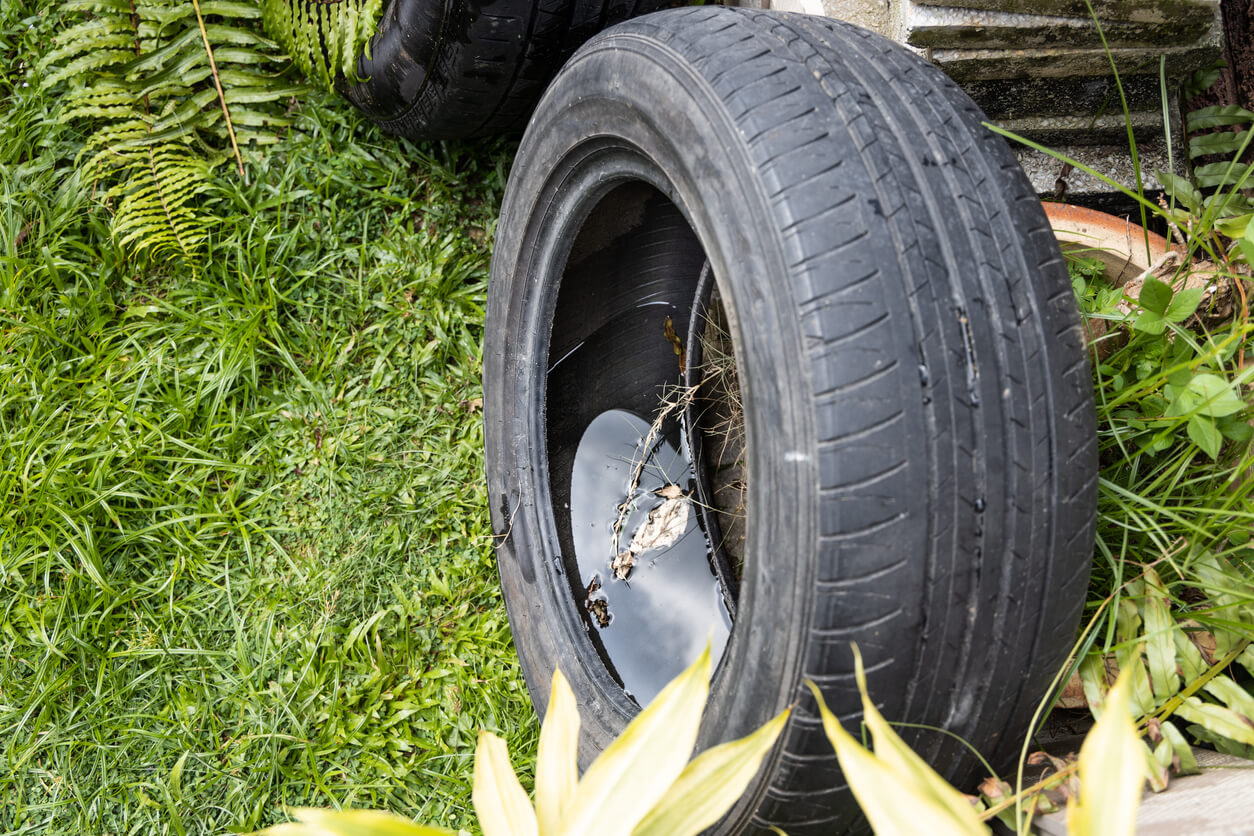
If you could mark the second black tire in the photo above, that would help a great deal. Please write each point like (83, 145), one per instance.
(920, 448)
(457, 69)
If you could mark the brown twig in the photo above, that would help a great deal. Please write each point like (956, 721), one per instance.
(217, 82)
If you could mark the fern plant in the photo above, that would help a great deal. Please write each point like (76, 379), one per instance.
(1220, 195)
(170, 90)
(324, 37)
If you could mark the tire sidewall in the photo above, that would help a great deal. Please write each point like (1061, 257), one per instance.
(608, 135)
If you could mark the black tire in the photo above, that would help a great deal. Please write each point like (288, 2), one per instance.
(921, 448)
(457, 69)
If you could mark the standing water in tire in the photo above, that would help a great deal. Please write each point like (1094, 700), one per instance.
(657, 619)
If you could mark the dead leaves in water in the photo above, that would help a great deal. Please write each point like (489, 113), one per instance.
(666, 524)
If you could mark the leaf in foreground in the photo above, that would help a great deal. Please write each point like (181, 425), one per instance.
(557, 766)
(896, 788)
(500, 801)
(315, 822)
(637, 769)
(711, 784)
(1111, 769)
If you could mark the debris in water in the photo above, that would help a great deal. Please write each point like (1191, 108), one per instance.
(666, 524)
(599, 606)
(622, 564)
(600, 609)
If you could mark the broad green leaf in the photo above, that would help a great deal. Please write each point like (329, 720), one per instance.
(1183, 304)
(1235, 429)
(1160, 647)
(1150, 323)
(711, 784)
(1155, 296)
(1111, 769)
(894, 801)
(1220, 720)
(1204, 433)
(500, 801)
(637, 769)
(1216, 396)
(314, 822)
(1246, 244)
(1180, 189)
(557, 767)
(1093, 678)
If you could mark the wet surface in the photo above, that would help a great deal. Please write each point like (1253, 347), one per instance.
(652, 625)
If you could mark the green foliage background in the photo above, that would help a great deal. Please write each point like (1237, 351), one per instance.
(244, 552)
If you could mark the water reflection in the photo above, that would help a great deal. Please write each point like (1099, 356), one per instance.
(658, 620)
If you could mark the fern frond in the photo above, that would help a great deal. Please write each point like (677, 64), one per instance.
(139, 76)
(155, 200)
(324, 37)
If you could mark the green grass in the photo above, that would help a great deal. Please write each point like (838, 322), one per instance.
(245, 560)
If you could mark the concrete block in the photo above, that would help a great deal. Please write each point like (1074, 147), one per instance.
(1107, 129)
(869, 14)
(1113, 161)
(966, 28)
(1027, 97)
(1214, 803)
(965, 65)
(1140, 11)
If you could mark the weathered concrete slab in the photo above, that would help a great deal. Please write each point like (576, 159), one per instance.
(1214, 803)
(1142, 11)
(1047, 97)
(869, 14)
(982, 64)
(1113, 161)
(1107, 129)
(967, 28)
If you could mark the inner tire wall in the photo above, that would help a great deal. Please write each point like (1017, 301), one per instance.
(920, 430)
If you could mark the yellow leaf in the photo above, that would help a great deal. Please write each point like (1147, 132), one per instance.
(557, 767)
(314, 822)
(893, 802)
(1111, 770)
(901, 759)
(633, 774)
(500, 802)
(711, 784)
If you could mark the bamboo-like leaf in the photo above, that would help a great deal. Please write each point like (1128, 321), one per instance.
(314, 822)
(711, 784)
(1160, 646)
(895, 802)
(890, 748)
(1217, 719)
(1128, 653)
(500, 802)
(1181, 748)
(557, 766)
(1232, 695)
(1111, 769)
(634, 773)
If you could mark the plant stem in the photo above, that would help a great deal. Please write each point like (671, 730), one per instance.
(217, 82)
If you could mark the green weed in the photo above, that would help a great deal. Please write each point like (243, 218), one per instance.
(245, 559)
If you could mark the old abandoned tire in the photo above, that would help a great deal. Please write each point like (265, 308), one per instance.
(456, 69)
(919, 454)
